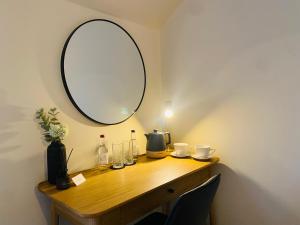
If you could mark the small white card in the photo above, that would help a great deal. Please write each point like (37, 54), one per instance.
(79, 179)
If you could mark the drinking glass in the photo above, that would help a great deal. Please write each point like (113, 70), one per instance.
(128, 153)
(117, 155)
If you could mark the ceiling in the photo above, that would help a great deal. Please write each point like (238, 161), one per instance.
(151, 13)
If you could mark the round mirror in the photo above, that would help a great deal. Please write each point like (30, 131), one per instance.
(103, 71)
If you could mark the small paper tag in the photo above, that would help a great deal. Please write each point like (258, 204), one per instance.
(79, 179)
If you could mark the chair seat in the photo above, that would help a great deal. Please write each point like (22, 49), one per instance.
(155, 218)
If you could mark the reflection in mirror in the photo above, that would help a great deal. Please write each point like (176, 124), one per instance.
(103, 71)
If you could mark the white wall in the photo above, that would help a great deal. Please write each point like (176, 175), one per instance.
(32, 35)
(230, 67)
(232, 71)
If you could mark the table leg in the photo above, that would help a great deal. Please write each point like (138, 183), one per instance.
(212, 216)
(54, 216)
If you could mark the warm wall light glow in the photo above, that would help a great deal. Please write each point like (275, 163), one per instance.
(168, 109)
(168, 113)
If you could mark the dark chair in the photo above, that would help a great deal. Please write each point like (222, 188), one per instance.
(191, 208)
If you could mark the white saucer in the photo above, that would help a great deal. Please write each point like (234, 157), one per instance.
(179, 156)
(194, 156)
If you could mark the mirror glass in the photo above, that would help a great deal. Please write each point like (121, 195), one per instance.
(103, 71)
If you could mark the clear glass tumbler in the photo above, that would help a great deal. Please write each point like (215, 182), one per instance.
(117, 155)
(128, 153)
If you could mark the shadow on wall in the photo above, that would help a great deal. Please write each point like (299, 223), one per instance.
(12, 168)
(18, 180)
(49, 70)
(44, 203)
(239, 195)
(49, 67)
(9, 114)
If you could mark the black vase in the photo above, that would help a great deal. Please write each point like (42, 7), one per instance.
(56, 161)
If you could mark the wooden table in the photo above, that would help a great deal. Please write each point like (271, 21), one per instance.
(117, 197)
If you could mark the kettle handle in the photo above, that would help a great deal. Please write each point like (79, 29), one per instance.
(169, 138)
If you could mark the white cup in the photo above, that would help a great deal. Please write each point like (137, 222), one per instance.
(181, 149)
(203, 150)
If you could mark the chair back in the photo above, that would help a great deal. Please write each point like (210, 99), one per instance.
(192, 208)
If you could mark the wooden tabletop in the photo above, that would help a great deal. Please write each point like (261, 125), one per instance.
(107, 189)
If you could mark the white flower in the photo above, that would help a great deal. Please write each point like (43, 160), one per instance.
(57, 131)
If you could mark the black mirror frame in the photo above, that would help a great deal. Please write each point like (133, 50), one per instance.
(62, 60)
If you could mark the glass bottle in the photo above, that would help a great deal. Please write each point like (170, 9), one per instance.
(102, 152)
(133, 145)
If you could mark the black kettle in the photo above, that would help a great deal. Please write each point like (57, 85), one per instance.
(157, 144)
